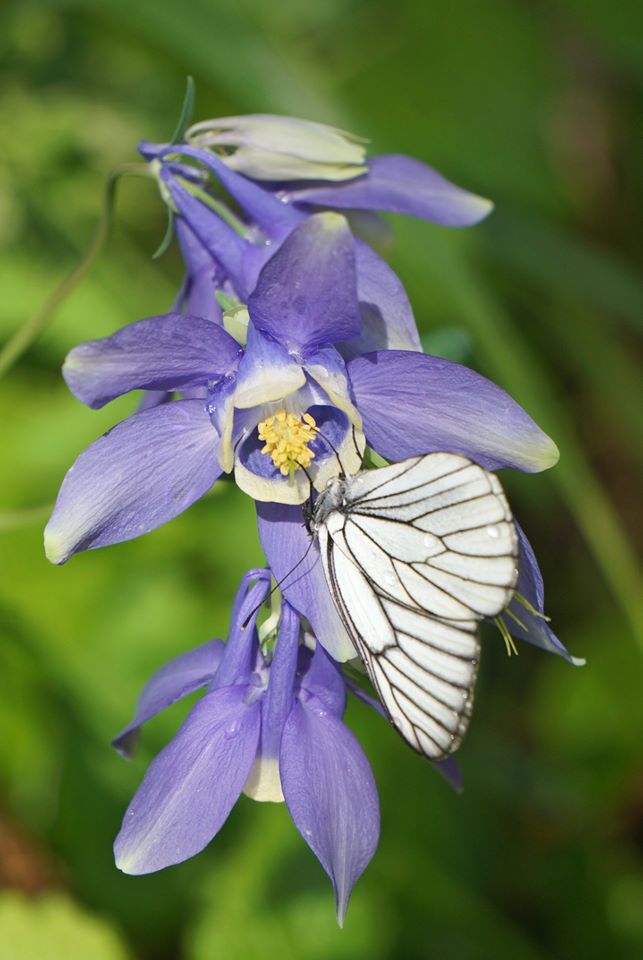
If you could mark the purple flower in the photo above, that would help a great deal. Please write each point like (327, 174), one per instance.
(224, 254)
(289, 398)
(271, 728)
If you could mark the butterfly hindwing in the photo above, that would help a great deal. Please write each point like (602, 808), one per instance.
(416, 555)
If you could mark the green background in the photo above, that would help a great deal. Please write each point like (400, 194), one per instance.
(531, 104)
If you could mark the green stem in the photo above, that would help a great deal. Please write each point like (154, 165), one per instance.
(29, 331)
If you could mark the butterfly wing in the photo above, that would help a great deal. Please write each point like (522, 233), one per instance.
(417, 555)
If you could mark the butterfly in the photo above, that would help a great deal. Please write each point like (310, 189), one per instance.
(415, 555)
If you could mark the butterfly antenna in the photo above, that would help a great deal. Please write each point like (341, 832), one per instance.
(276, 586)
(359, 453)
(334, 449)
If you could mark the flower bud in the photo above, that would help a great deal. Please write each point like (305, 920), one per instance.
(267, 147)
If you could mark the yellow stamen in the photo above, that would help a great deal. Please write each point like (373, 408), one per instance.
(286, 439)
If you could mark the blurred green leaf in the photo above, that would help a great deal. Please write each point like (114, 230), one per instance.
(55, 928)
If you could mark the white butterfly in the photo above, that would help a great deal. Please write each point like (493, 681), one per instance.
(415, 555)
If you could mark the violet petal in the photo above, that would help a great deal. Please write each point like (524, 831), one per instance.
(168, 352)
(331, 795)
(296, 565)
(413, 404)
(306, 295)
(401, 184)
(183, 675)
(140, 474)
(536, 630)
(192, 785)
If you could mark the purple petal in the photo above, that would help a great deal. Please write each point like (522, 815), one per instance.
(387, 318)
(306, 295)
(240, 653)
(225, 246)
(183, 675)
(271, 214)
(401, 184)
(294, 559)
(331, 795)
(160, 353)
(451, 772)
(530, 585)
(280, 695)
(204, 276)
(412, 404)
(322, 678)
(192, 785)
(140, 474)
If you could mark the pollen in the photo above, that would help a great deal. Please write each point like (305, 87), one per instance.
(286, 439)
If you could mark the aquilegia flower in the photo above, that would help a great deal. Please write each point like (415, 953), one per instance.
(286, 399)
(269, 727)
(300, 168)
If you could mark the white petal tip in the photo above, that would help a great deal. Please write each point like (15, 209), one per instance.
(56, 548)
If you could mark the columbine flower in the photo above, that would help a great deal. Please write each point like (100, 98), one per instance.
(225, 255)
(245, 408)
(301, 167)
(269, 728)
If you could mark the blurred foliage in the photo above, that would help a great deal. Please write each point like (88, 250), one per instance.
(533, 104)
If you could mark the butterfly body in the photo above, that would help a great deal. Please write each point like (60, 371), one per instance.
(415, 554)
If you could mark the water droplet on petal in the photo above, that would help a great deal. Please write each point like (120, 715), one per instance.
(233, 730)
(493, 532)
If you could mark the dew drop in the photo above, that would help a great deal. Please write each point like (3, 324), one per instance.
(233, 730)
(493, 532)
(429, 541)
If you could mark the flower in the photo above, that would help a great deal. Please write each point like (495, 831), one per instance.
(272, 148)
(244, 408)
(278, 171)
(225, 255)
(269, 727)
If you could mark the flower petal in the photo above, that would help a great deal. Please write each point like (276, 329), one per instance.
(140, 474)
(534, 629)
(387, 318)
(327, 368)
(306, 295)
(414, 404)
(331, 795)
(401, 184)
(322, 678)
(239, 657)
(225, 246)
(184, 674)
(271, 214)
(266, 372)
(296, 565)
(192, 785)
(168, 352)
(204, 275)
(264, 782)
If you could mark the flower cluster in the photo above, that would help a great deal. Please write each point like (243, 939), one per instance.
(290, 350)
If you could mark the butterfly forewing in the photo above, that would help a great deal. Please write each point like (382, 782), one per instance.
(415, 556)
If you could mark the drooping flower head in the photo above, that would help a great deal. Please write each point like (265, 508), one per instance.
(269, 725)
